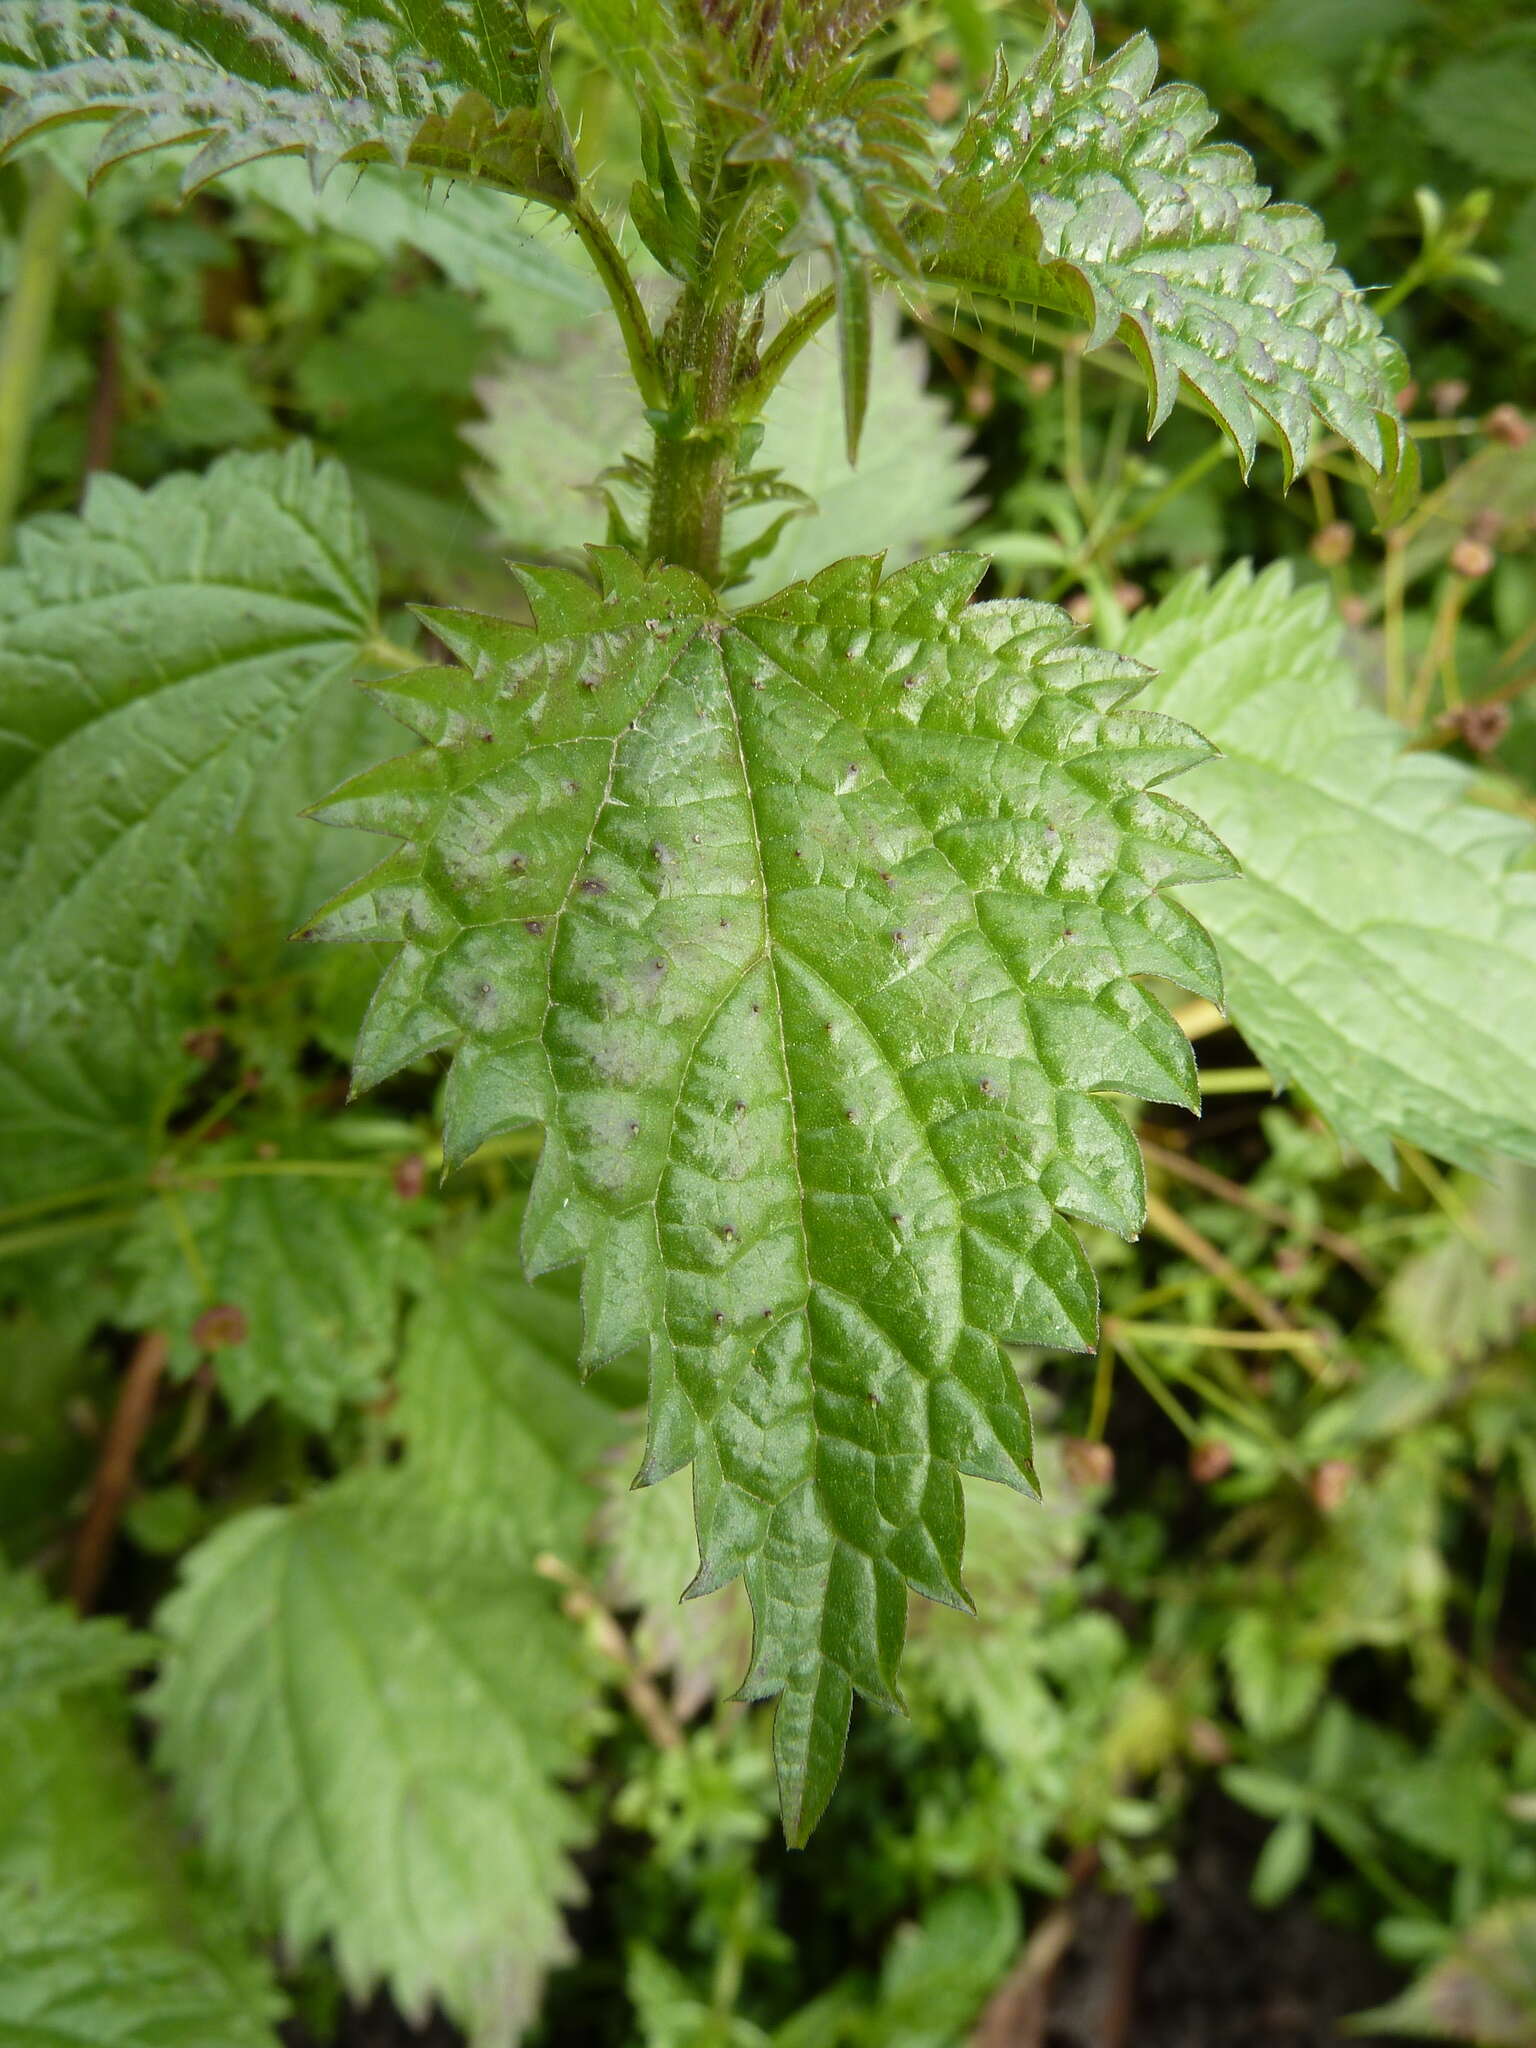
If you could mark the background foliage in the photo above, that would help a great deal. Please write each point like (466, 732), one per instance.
(1269, 1633)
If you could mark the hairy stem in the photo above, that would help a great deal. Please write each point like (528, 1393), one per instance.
(694, 459)
(608, 261)
(804, 323)
(28, 319)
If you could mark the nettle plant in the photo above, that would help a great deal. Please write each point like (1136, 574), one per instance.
(814, 936)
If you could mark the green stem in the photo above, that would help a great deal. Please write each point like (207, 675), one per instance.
(28, 319)
(1417, 273)
(1236, 1081)
(694, 459)
(1210, 457)
(805, 322)
(390, 654)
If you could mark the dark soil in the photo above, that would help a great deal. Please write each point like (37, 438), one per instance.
(1212, 1970)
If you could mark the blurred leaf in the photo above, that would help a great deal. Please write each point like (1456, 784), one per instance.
(1468, 1293)
(46, 1651)
(499, 1429)
(937, 1972)
(472, 235)
(287, 1280)
(154, 654)
(1380, 948)
(1483, 1991)
(1283, 1861)
(106, 1939)
(650, 1548)
(1275, 1688)
(370, 1719)
(1483, 110)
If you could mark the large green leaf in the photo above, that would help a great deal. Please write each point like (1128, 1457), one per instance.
(154, 654)
(808, 934)
(370, 1721)
(1380, 949)
(1083, 188)
(106, 1940)
(450, 88)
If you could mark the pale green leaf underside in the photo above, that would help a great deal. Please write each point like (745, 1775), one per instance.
(807, 934)
(154, 654)
(369, 1722)
(551, 428)
(446, 85)
(310, 1263)
(1380, 949)
(1086, 188)
(910, 489)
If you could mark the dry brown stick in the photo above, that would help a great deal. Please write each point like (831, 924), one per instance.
(1232, 1191)
(113, 1481)
(1125, 1965)
(1019, 2010)
(101, 429)
(1017, 2013)
(1178, 1231)
(581, 1603)
(1183, 1236)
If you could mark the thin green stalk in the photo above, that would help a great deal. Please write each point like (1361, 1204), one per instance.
(805, 322)
(1210, 457)
(639, 342)
(1175, 1410)
(24, 339)
(73, 1198)
(16, 1243)
(390, 654)
(1073, 465)
(1236, 1081)
(1490, 1591)
(1103, 1384)
(1209, 1337)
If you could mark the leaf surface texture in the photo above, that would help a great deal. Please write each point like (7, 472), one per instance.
(1380, 948)
(450, 87)
(808, 935)
(1087, 188)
